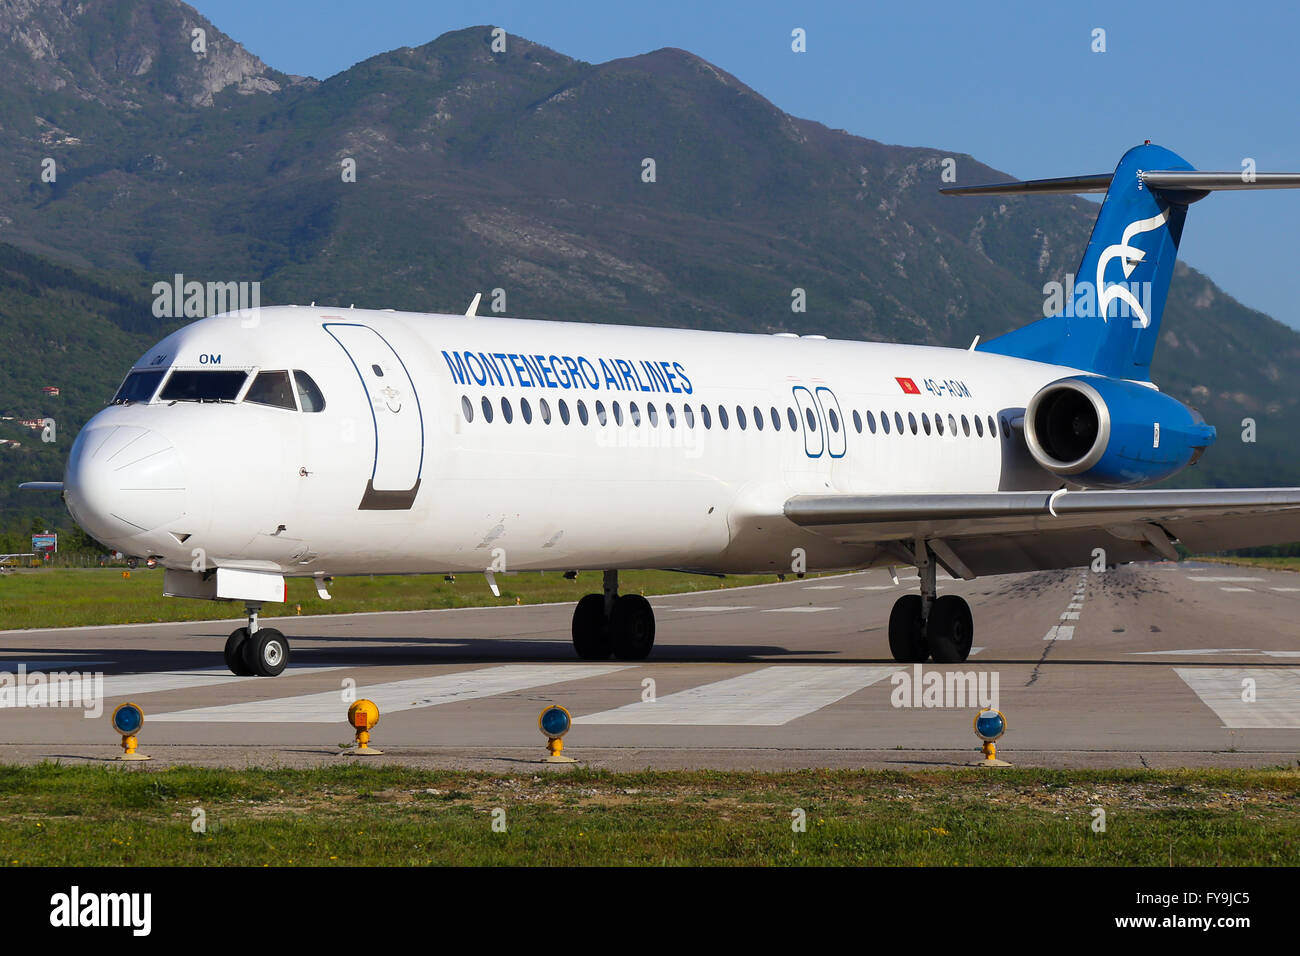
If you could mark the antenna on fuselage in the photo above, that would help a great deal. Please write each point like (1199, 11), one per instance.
(473, 306)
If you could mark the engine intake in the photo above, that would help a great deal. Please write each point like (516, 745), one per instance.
(1111, 433)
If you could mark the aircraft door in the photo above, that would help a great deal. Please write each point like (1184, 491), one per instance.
(835, 428)
(810, 422)
(395, 414)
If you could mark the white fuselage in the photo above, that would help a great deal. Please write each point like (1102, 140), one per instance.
(393, 475)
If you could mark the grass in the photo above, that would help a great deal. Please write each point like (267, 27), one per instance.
(59, 597)
(1272, 564)
(371, 814)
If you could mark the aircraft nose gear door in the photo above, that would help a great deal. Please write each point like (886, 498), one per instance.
(395, 413)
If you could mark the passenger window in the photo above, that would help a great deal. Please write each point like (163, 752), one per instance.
(618, 414)
(600, 413)
(776, 419)
(993, 429)
(952, 426)
(871, 422)
(722, 417)
(671, 415)
(979, 426)
(705, 417)
(544, 410)
(467, 408)
(965, 426)
(758, 418)
(635, 413)
(884, 422)
(564, 411)
(812, 419)
(689, 415)
(309, 396)
(857, 422)
(487, 410)
(898, 422)
(506, 412)
(652, 415)
(790, 417)
(911, 420)
(938, 424)
(740, 417)
(582, 412)
(526, 411)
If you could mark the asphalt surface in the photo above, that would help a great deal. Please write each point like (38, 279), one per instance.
(1156, 665)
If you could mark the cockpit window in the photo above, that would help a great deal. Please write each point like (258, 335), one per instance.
(138, 387)
(271, 388)
(309, 396)
(202, 386)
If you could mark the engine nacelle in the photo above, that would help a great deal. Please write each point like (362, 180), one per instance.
(1108, 433)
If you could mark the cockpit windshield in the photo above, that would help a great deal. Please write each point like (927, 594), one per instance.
(206, 385)
(138, 387)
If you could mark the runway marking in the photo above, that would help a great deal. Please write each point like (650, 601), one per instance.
(1070, 616)
(325, 707)
(1229, 579)
(1074, 607)
(1277, 695)
(1059, 632)
(135, 685)
(720, 607)
(768, 697)
(796, 610)
(890, 587)
(1237, 589)
(823, 587)
(1212, 651)
(1289, 590)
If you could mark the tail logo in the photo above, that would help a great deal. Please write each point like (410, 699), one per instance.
(1131, 257)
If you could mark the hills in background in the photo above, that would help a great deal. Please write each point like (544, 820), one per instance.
(519, 170)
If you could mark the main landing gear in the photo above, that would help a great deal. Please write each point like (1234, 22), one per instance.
(256, 651)
(925, 626)
(610, 623)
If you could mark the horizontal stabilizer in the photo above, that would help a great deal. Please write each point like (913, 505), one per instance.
(41, 486)
(1166, 180)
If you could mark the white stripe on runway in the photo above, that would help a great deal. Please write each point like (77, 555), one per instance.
(823, 587)
(325, 707)
(1277, 695)
(796, 610)
(1059, 632)
(730, 607)
(136, 685)
(1228, 579)
(1285, 589)
(1070, 616)
(1236, 589)
(768, 697)
(877, 587)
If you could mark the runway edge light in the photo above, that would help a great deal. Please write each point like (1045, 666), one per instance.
(363, 715)
(555, 722)
(127, 720)
(989, 726)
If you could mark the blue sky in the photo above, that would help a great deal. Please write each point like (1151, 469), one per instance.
(1018, 86)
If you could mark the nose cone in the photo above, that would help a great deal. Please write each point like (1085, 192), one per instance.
(123, 481)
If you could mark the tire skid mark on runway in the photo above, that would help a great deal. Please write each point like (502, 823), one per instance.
(327, 706)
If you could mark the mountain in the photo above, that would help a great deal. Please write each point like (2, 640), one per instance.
(524, 170)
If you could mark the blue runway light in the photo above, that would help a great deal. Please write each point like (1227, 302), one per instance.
(554, 722)
(990, 725)
(128, 719)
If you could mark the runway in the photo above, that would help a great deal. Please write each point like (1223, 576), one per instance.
(1146, 665)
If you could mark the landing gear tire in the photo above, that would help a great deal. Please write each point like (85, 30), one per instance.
(591, 637)
(907, 631)
(266, 652)
(235, 653)
(950, 629)
(632, 628)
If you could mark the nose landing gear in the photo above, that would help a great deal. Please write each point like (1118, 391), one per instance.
(610, 623)
(925, 626)
(256, 651)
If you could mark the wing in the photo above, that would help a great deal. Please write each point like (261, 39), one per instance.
(1033, 530)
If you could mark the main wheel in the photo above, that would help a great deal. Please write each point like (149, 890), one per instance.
(907, 631)
(590, 631)
(950, 629)
(267, 652)
(235, 653)
(632, 627)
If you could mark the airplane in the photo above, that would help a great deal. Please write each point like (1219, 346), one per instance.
(298, 441)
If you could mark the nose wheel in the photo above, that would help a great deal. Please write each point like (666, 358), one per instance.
(256, 651)
(621, 625)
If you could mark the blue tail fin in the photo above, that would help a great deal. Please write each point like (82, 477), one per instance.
(1109, 316)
